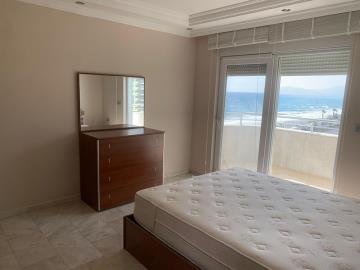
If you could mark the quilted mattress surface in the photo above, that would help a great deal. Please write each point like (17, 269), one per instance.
(238, 219)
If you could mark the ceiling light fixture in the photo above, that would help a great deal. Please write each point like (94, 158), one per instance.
(80, 3)
(286, 10)
(189, 28)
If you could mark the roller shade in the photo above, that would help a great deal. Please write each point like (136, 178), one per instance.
(331, 25)
(324, 63)
(246, 70)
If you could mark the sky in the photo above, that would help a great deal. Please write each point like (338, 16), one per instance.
(319, 85)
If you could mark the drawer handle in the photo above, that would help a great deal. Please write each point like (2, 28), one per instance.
(155, 169)
(109, 196)
(109, 160)
(109, 145)
(109, 179)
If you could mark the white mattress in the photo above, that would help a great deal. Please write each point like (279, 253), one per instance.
(237, 219)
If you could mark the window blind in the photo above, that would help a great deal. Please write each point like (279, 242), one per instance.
(331, 25)
(246, 70)
(323, 63)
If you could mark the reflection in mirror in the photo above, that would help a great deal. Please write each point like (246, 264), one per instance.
(107, 100)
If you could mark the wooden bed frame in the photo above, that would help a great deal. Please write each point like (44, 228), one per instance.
(151, 251)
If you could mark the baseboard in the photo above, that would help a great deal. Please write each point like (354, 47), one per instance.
(22, 210)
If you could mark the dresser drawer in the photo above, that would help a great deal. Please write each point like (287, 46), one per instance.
(130, 175)
(131, 144)
(117, 161)
(123, 195)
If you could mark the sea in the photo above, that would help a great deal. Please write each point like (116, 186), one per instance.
(294, 111)
(300, 104)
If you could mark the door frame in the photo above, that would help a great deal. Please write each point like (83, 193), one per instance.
(270, 93)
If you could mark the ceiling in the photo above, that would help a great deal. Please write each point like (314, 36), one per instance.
(200, 17)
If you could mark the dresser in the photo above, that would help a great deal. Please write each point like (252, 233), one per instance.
(115, 164)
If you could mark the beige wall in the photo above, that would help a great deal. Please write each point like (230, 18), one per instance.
(41, 50)
(348, 170)
(206, 85)
(204, 99)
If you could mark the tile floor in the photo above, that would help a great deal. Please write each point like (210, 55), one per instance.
(67, 236)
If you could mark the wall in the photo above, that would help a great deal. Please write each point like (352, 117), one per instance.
(306, 152)
(41, 50)
(206, 85)
(240, 145)
(301, 151)
(204, 99)
(348, 170)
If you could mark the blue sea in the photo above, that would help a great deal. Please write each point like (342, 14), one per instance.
(253, 102)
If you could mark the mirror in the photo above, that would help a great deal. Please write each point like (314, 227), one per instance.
(110, 101)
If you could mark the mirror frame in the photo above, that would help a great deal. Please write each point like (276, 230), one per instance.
(110, 127)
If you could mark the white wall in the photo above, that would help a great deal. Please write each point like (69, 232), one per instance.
(301, 151)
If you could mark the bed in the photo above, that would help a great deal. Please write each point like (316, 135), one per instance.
(238, 219)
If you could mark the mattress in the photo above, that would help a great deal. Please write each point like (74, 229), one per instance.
(238, 219)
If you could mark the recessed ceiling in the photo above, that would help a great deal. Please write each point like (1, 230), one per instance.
(200, 17)
(188, 7)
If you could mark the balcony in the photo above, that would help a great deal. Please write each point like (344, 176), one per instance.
(297, 154)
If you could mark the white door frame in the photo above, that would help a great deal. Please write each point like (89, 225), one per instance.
(268, 109)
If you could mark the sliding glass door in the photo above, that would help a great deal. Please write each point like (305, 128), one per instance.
(310, 104)
(243, 112)
(282, 114)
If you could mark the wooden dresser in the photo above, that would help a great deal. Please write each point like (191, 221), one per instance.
(115, 164)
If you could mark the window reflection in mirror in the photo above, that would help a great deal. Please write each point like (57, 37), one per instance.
(108, 100)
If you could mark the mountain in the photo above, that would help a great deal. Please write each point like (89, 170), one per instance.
(330, 92)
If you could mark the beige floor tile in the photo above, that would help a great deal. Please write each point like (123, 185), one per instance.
(5, 249)
(119, 261)
(127, 209)
(55, 263)
(42, 215)
(75, 212)
(18, 226)
(111, 214)
(74, 249)
(117, 225)
(2, 235)
(94, 228)
(56, 225)
(9, 262)
(30, 249)
(110, 245)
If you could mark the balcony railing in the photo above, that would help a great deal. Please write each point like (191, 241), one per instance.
(329, 124)
(299, 151)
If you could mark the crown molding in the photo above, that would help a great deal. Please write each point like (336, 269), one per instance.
(135, 13)
(293, 16)
(142, 14)
(243, 8)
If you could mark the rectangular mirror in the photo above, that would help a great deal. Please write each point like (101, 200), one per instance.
(110, 101)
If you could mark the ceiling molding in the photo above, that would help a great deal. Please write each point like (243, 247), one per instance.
(135, 13)
(143, 14)
(293, 16)
(243, 8)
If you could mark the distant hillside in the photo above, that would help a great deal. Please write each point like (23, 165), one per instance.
(331, 92)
